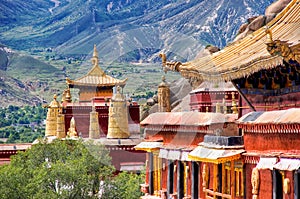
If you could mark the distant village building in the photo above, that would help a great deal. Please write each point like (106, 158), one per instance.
(7, 150)
(237, 141)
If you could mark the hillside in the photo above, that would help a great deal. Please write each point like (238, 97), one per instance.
(52, 40)
(128, 30)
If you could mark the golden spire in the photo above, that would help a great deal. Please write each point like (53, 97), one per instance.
(269, 40)
(60, 126)
(164, 96)
(95, 59)
(54, 109)
(94, 130)
(118, 117)
(68, 96)
(72, 130)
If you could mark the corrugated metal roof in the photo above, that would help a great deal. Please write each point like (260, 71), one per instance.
(188, 118)
(290, 116)
(248, 55)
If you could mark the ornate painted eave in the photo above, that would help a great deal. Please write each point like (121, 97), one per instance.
(246, 56)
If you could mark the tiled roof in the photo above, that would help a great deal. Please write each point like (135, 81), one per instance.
(248, 55)
(290, 116)
(187, 118)
(96, 77)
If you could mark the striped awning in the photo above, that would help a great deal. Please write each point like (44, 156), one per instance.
(212, 155)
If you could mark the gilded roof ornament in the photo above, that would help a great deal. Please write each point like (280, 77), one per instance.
(282, 48)
(167, 65)
(72, 130)
(95, 59)
(54, 103)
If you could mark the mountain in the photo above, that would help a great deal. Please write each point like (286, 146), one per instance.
(124, 30)
(52, 39)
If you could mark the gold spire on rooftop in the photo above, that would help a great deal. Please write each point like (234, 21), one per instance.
(118, 117)
(72, 130)
(54, 109)
(164, 96)
(95, 59)
(94, 130)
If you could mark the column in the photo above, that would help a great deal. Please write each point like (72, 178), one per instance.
(180, 180)
(151, 183)
(170, 182)
(195, 180)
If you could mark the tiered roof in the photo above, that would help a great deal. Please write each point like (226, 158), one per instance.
(96, 76)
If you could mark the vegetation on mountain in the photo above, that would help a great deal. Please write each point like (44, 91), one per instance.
(22, 124)
(66, 169)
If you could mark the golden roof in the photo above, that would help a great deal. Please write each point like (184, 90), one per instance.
(248, 55)
(96, 76)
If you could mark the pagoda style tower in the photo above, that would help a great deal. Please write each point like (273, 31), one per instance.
(95, 84)
(54, 109)
(118, 117)
(164, 96)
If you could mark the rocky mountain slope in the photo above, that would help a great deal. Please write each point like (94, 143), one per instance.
(123, 30)
(126, 30)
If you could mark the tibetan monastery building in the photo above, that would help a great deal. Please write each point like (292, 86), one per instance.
(102, 114)
(247, 148)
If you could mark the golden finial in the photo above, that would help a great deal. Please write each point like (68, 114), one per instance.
(218, 107)
(72, 130)
(224, 106)
(118, 89)
(95, 53)
(234, 105)
(269, 40)
(95, 59)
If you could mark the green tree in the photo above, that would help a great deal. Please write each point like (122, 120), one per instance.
(61, 169)
(123, 186)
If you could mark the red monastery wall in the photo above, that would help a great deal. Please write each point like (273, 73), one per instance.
(267, 141)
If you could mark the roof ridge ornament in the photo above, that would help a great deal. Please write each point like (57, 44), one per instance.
(282, 48)
(167, 65)
(95, 59)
